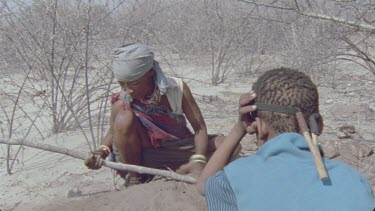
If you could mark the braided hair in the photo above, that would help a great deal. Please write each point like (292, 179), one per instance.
(286, 87)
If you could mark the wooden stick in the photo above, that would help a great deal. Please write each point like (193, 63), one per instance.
(323, 175)
(314, 139)
(109, 164)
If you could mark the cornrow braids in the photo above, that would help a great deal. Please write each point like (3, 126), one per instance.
(286, 87)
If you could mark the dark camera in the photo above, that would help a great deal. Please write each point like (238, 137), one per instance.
(252, 115)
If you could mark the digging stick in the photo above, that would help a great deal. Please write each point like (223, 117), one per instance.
(109, 164)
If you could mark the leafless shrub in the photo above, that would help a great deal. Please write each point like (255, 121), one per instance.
(64, 47)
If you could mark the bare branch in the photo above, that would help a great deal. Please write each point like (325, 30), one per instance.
(351, 60)
(118, 166)
(359, 51)
(267, 5)
(361, 26)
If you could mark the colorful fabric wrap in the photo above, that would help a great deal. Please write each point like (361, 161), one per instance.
(159, 122)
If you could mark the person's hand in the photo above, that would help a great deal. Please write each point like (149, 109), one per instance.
(192, 168)
(245, 108)
(95, 159)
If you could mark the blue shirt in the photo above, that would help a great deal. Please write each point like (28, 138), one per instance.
(282, 176)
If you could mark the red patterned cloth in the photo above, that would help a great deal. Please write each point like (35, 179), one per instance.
(160, 122)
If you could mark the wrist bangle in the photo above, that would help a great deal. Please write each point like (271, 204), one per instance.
(106, 148)
(198, 158)
(198, 161)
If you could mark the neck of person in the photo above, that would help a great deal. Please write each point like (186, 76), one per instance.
(265, 134)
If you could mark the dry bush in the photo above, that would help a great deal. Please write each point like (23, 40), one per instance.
(65, 47)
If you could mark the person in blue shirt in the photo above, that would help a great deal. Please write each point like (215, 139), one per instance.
(281, 175)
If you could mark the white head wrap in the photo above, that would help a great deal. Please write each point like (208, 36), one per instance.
(132, 61)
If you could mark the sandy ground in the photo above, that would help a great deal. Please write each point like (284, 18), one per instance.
(47, 181)
(50, 181)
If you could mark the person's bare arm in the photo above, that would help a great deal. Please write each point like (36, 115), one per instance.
(95, 159)
(108, 138)
(194, 116)
(222, 155)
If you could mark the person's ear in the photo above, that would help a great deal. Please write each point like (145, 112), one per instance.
(263, 131)
(251, 128)
(320, 124)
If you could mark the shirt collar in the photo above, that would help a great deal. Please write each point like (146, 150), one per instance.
(287, 145)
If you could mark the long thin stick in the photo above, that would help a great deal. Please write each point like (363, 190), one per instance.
(314, 139)
(313, 148)
(118, 166)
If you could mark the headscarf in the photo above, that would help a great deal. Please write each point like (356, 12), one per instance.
(132, 61)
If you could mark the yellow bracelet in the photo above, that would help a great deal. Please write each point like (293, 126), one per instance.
(198, 158)
(198, 161)
(105, 147)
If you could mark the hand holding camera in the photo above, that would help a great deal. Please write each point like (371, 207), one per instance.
(247, 112)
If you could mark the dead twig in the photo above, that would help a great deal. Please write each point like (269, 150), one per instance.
(112, 165)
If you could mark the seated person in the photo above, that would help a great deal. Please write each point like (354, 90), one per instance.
(147, 122)
(281, 175)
